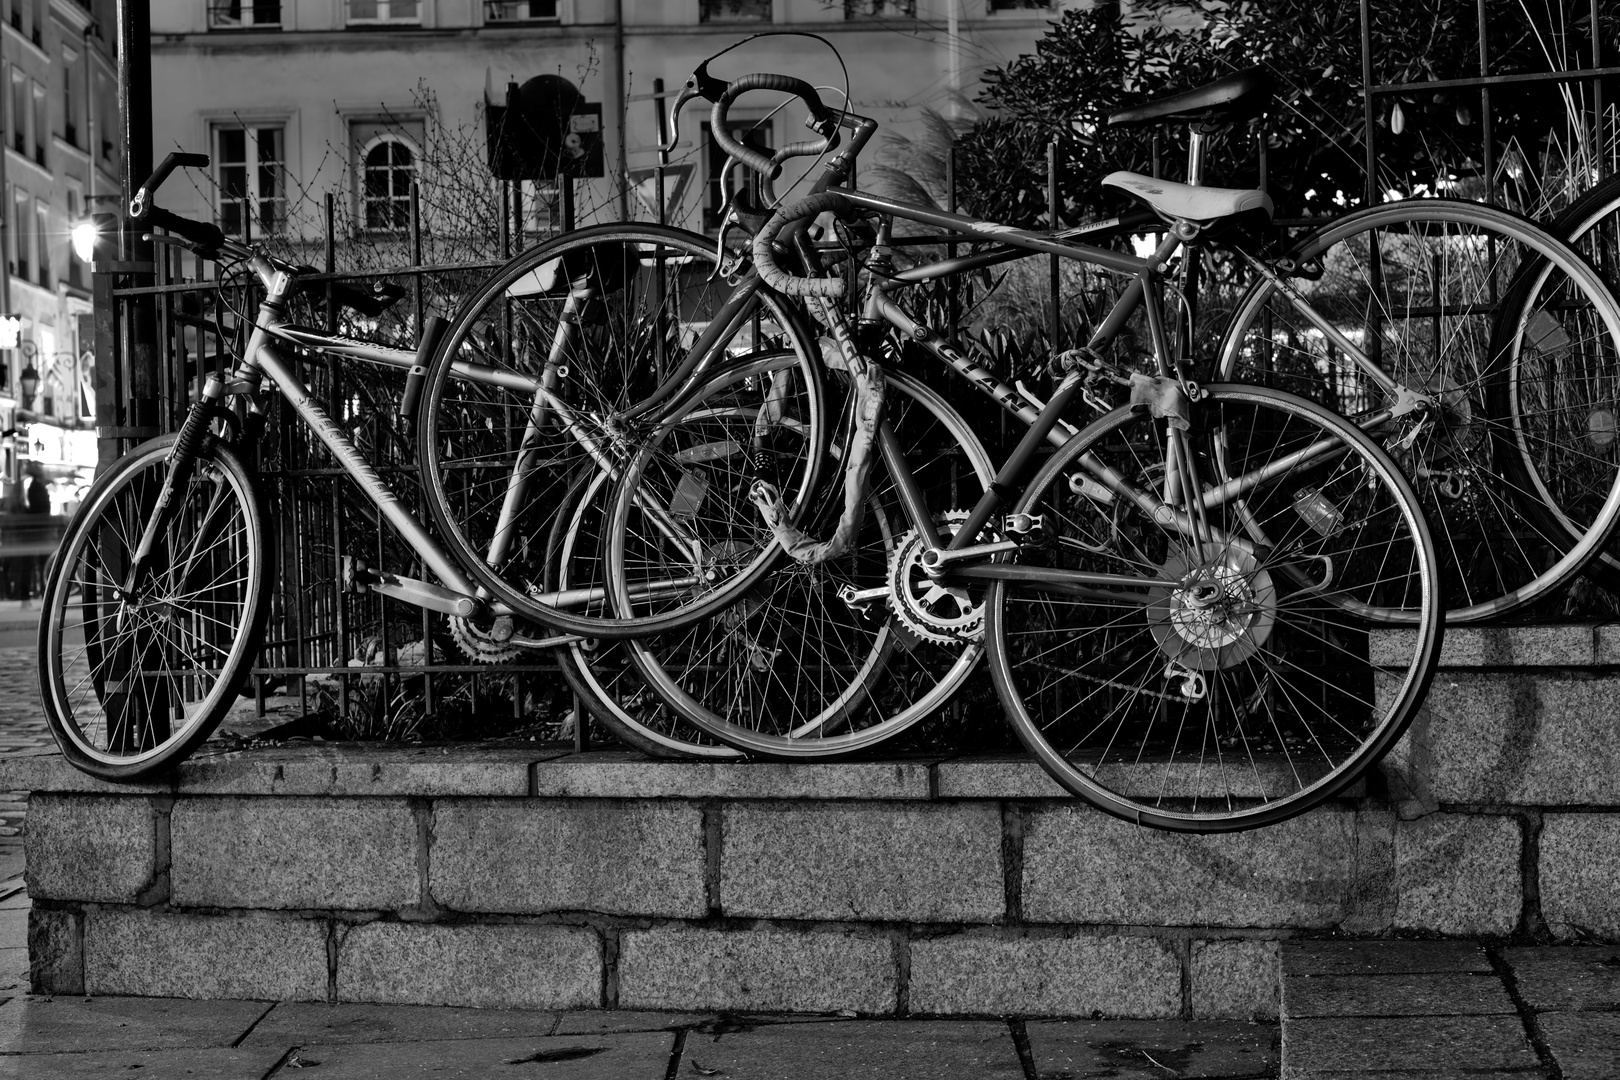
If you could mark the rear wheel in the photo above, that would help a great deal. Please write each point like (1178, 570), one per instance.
(1241, 683)
(569, 359)
(1424, 288)
(832, 658)
(136, 673)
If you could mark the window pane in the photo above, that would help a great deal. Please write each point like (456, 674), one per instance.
(734, 11)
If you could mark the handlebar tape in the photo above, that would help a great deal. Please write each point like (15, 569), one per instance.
(764, 81)
(765, 258)
(201, 235)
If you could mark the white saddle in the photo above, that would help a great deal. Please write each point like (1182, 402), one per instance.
(1189, 202)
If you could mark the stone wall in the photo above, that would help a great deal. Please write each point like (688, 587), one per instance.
(913, 887)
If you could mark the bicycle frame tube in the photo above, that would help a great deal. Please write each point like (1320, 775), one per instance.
(268, 359)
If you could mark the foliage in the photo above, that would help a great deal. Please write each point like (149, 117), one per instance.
(1092, 62)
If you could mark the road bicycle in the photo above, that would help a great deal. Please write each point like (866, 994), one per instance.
(834, 657)
(157, 603)
(1177, 602)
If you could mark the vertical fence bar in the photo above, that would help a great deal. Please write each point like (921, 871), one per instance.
(340, 599)
(953, 296)
(419, 294)
(662, 127)
(1600, 123)
(1056, 320)
(1367, 103)
(1488, 155)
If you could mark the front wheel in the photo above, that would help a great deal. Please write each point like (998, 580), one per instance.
(136, 671)
(1242, 681)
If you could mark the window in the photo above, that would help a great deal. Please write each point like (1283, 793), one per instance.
(21, 242)
(73, 71)
(387, 169)
(41, 124)
(19, 111)
(1020, 5)
(754, 133)
(734, 10)
(42, 241)
(242, 14)
(78, 271)
(880, 9)
(501, 11)
(252, 185)
(385, 11)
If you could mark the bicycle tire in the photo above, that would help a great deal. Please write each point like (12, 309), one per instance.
(124, 725)
(1424, 280)
(1561, 411)
(1251, 689)
(632, 298)
(793, 671)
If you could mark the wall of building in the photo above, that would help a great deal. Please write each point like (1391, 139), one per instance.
(319, 77)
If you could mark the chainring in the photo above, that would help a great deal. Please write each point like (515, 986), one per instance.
(477, 645)
(930, 609)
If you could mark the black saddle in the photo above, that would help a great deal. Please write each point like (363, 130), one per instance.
(1240, 96)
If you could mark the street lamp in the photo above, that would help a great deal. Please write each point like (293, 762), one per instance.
(28, 381)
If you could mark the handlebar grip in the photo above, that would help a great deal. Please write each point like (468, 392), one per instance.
(201, 235)
(765, 259)
(787, 84)
(141, 203)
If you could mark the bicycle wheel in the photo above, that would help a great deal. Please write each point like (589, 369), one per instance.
(600, 672)
(603, 674)
(822, 660)
(1418, 287)
(135, 675)
(567, 358)
(1240, 683)
(1560, 395)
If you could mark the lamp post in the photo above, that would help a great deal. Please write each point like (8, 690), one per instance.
(28, 381)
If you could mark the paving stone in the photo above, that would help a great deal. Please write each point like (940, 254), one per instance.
(869, 861)
(492, 966)
(1381, 957)
(1567, 977)
(1328, 869)
(1578, 888)
(1448, 994)
(1497, 647)
(362, 770)
(680, 967)
(1235, 980)
(1517, 738)
(1458, 874)
(56, 951)
(619, 856)
(1142, 1050)
(606, 1021)
(43, 1025)
(214, 1064)
(90, 848)
(295, 852)
(1348, 1044)
(981, 974)
(641, 1056)
(293, 1023)
(203, 956)
(892, 1050)
(1585, 1045)
(615, 775)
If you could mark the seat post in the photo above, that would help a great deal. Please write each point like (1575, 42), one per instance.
(1195, 155)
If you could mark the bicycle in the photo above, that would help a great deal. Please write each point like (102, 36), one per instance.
(1230, 615)
(158, 600)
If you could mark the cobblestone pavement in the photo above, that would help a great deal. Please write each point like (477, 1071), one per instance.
(22, 727)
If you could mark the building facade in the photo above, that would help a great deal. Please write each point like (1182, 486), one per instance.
(62, 159)
(293, 100)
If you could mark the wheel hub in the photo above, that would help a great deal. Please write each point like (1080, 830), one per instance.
(932, 609)
(1220, 612)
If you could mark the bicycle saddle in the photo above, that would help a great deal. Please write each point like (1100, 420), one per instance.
(1240, 96)
(1190, 202)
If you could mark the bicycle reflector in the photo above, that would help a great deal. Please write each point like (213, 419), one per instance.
(93, 235)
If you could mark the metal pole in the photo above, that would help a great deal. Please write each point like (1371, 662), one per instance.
(139, 395)
(1367, 103)
(1056, 322)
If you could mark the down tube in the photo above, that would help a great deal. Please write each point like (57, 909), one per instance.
(381, 495)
